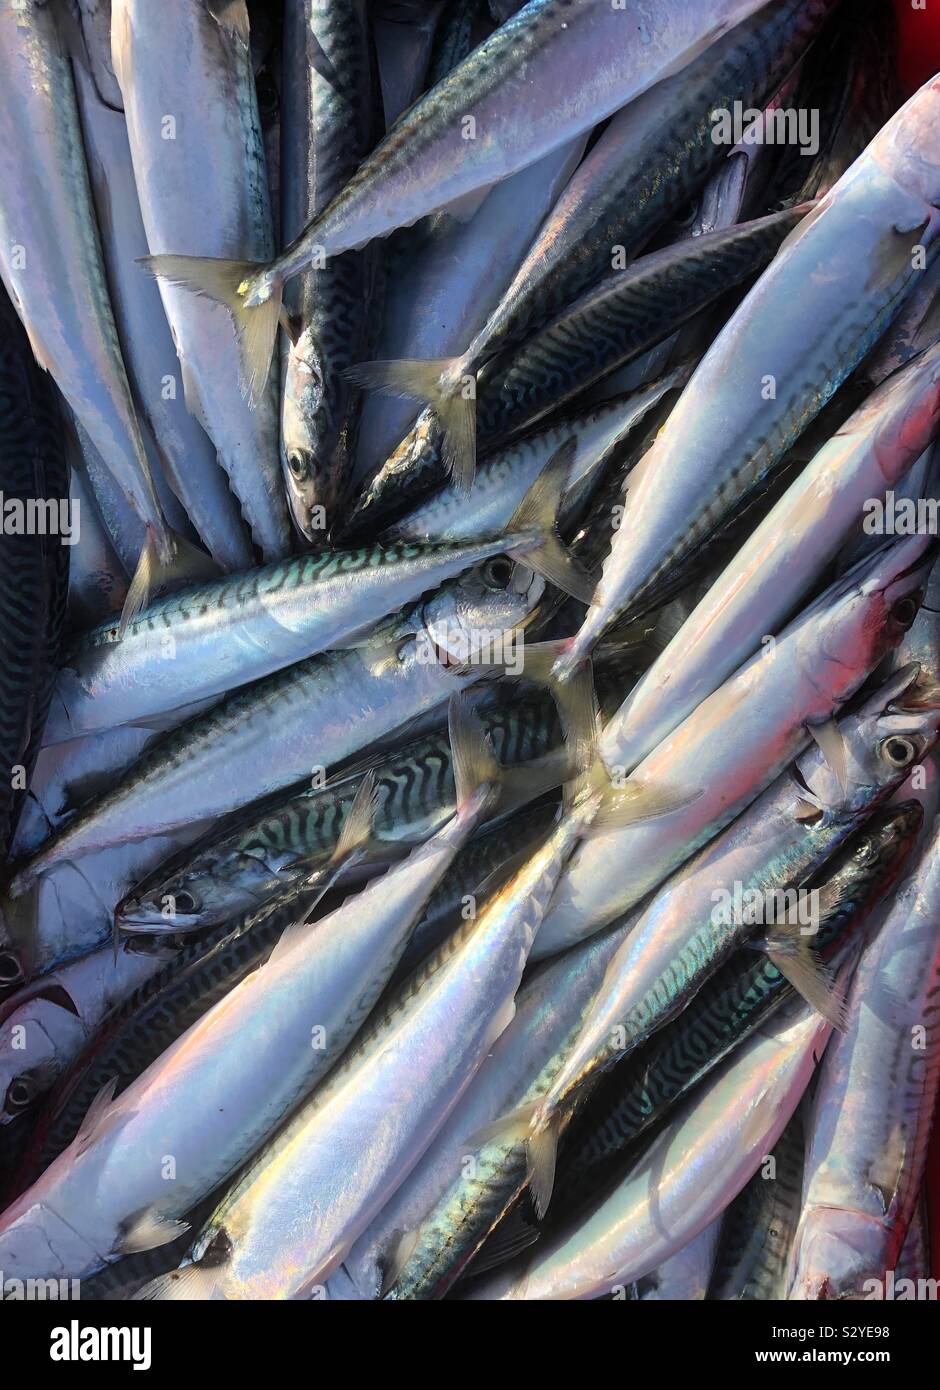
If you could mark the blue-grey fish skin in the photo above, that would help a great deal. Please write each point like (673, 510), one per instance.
(646, 165)
(759, 1225)
(281, 730)
(415, 793)
(330, 121)
(864, 248)
(513, 87)
(851, 875)
(50, 253)
(34, 565)
(873, 1109)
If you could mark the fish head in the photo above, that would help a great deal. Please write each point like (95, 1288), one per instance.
(309, 467)
(480, 618)
(837, 1255)
(36, 1243)
(217, 885)
(27, 1073)
(883, 741)
(865, 614)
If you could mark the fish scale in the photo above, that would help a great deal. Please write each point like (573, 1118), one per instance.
(726, 1010)
(203, 642)
(281, 729)
(152, 1018)
(33, 569)
(755, 391)
(331, 120)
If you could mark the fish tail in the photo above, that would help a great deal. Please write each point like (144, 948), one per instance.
(255, 314)
(538, 1129)
(438, 382)
(191, 1283)
(477, 770)
(532, 533)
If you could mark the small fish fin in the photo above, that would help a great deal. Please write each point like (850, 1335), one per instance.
(541, 1152)
(96, 1122)
(292, 325)
(900, 683)
(356, 834)
(894, 256)
(790, 951)
(514, 1126)
(577, 709)
(232, 16)
(885, 1173)
(320, 882)
(638, 801)
(495, 879)
(477, 770)
(221, 281)
(159, 568)
(195, 1281)
(418, 379)
(537, 512)
(100, 1119)
(148, 1231)
(465, 208)
(404, 1246)
(499, 1023)
(832, 746)
(515, 1233)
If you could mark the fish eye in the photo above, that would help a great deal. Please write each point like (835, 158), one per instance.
(20, 1094)
(864, 851)
(298, 465)
(184, 902)
(497, 574)
(905, 611)
(10, 969)
(899, 752)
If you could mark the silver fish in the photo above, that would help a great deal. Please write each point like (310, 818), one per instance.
(741, 410)
(783, 558)
(873, 1107)
(690, 1173)
(184, 70)
(739, 739)
(50, 255)
(249, 1061)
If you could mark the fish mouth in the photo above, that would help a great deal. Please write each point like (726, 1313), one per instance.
(141, 921)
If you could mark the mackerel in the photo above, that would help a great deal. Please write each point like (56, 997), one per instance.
(515, 86)
(646, 164)
(692, 1170)
(50, 256)
(285, 728)
(784, 558)
(205, 641)
(760, 1224)
(640, 1089)
(289, 1221)
(184, 70)
(414, 796)
(873, 1107)
(741, 737)
(753, 395)
(330, 122)
(249, 1060)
